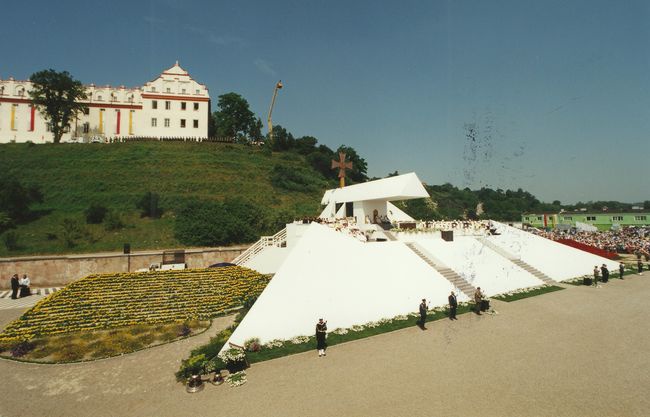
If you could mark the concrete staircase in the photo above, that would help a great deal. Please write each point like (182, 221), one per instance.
(536, 272)
(450, 275)
(527, 267)
(389, 235)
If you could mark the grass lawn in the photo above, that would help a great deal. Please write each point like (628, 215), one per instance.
(74, 176)
(537, 291)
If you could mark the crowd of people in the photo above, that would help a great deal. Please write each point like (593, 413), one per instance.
(632, 239)
(20, 287)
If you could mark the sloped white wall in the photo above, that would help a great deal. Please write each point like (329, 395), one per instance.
(556, 260)
(347, 282)
(479, 265)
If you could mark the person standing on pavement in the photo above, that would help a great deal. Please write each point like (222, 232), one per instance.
(621, 270)
(14, 286)
(605, 272)
(596, 273)
(423, 314)
(321, 335)
(478, 298)
(453, 305)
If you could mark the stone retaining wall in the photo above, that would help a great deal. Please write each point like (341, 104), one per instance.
(50, 271)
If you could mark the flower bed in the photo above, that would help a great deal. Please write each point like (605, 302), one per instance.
(117, 300)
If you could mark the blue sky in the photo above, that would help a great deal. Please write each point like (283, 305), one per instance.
(557, 93)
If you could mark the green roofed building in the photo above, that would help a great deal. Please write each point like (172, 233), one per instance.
(603, 220)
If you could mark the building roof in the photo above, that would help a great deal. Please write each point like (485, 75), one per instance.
(401, 187)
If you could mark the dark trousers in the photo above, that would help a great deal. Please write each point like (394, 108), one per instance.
(452, 312)
(423, 318)
(14, 293)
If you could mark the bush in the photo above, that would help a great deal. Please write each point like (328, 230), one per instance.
(113, 221)
(149, 206)
(22, 348)
(296, 179)
(183, 330)
(10, 239)
(253, 344)
(95, 214)
(71, 231)
(212, 223)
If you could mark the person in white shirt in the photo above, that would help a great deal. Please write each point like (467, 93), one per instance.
(24, 286)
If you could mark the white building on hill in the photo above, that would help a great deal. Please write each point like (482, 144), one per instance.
(173, 105)
(366, 260)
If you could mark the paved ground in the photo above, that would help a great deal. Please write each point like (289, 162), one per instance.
(578, 352)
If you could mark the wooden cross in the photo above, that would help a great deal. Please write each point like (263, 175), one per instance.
(342, 165)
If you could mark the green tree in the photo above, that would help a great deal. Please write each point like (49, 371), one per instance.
(57, 96)
(234, 117)
(282, 139)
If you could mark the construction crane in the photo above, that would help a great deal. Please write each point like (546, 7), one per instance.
(278, 86)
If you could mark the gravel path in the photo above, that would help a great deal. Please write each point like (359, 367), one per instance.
(578, 352)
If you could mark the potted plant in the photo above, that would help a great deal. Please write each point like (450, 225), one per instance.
(193, 369)
(215, 365)
(235, 360)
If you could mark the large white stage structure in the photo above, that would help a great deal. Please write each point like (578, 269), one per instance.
(367, 260)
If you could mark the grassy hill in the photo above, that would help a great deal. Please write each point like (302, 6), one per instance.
(74, 176)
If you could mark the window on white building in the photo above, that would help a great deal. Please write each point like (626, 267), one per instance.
(169, 90)
(153, 89)
(166, 122)
(182, 122)
(99, 98)
(183, 91)
(198, 92)
(154, 122)
(617, 218)
(196, 124)
(640, 217)
(86, 111)
(168, 105)
(183, 105)
(154, 104)
(591, 218)
(196, 106)
(86, 127)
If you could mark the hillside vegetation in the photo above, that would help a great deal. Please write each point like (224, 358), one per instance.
(72, 177)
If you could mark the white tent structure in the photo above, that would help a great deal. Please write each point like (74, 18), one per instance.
(349, 270)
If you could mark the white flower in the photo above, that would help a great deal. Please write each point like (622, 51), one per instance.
(300, 340)
(340, 331)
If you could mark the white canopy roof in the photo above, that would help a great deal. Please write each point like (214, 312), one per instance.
(401, 187)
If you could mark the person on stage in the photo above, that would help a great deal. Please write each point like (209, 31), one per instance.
(453, 305)
(321, 335)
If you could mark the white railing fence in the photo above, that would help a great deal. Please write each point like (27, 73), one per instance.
(278, 240)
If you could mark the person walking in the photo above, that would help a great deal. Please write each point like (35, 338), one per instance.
(605, 273)
(621, 270)
(423, 314)
(478, 298)
(596, 273)
(14, 286)
(639, 266)
(321, 335)
(453, 305)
